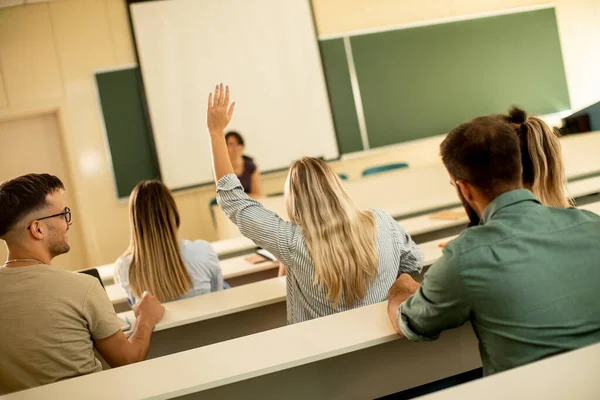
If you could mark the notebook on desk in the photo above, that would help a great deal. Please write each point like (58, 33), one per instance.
(266, 254)
(260, 256)
(450, 215)
(93, 272)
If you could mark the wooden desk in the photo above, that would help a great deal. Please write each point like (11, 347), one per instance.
(580, 154)
(233, 247)
(593, 207)
(422, 228)
(584, 187)
(572, 375)
(429, 191)
(216, 317)
(355, 354)
(237, 268)
(203, 315)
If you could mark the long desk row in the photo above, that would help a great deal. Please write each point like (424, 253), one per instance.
(349, 355)
(239, 311)
(244, 298)
(572, 375)
(238, 271)
(355, 354)
(406, 192)
(429, 191)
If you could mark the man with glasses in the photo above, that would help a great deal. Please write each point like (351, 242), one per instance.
(51, 319)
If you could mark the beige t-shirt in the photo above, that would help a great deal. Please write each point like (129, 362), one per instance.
(49, 318)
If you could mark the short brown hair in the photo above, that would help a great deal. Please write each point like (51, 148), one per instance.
(20, 196)
(486, 153)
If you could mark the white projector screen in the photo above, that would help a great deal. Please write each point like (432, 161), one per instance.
(265, 50)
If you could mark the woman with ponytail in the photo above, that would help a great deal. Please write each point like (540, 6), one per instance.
(541, 156)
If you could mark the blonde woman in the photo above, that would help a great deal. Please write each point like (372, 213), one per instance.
(541, 156)
(338, 257)
(156, 261)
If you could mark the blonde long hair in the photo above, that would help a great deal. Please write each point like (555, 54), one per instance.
(156, 263)
(339, 236)
(541, 155)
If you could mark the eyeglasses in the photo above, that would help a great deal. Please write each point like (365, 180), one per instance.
(66, 213)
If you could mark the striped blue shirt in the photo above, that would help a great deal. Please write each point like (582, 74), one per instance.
(396, 250)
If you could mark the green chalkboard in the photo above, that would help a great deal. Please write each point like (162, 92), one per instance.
(423, 81)
(343, 109)
(129, 137)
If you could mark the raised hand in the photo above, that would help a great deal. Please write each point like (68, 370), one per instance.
(219, 111)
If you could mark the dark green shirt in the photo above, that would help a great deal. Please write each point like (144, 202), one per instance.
(528, 279)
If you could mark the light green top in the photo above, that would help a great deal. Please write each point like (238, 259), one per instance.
(528, 279)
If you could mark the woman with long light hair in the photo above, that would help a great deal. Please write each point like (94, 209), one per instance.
(338, 256)
(156, 260)
(541, 157)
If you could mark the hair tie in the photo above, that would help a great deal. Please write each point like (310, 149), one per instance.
(523, 128)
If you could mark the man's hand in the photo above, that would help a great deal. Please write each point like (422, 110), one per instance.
(401, 290)
(149, 309)
(219, 111)
(117, 350)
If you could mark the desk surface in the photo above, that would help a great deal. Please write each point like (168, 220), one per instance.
(217, 304)
(429, 191)
(258, 294)
(226, 247)
(246, 357)
(572, 375)
(237, 266)
(414, 226)
(230, 361)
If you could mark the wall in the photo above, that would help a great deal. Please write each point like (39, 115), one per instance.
(37, 141)
(49, 52)
(578, 22)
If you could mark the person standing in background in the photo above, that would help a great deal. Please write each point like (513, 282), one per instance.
(243, 166)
